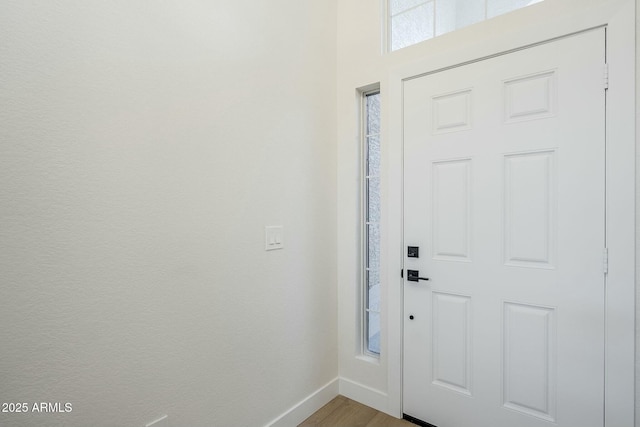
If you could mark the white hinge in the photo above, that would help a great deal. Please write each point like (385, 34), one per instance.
(605, 260)
(606, 76)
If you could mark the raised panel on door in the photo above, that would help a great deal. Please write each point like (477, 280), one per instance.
(451, 216)
(529, 362)
(530, 209)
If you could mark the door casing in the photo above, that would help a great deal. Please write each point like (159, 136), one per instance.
(560, 20)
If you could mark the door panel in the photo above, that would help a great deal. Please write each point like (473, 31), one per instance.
(504, 190)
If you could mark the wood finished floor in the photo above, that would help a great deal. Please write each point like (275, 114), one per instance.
(343, 412)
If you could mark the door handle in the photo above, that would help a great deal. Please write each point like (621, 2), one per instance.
(414, 276)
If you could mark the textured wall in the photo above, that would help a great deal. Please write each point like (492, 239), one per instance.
(144, 146)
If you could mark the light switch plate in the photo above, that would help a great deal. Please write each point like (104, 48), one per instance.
(274, 237)
(161, 422)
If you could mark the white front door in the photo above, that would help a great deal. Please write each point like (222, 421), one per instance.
(504, 194)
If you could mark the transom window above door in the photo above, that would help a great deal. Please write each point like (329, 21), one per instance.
(414, 21)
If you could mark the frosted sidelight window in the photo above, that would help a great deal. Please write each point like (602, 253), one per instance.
(371, 223)
(413, 21)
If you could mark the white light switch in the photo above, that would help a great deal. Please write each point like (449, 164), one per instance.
(274, 237)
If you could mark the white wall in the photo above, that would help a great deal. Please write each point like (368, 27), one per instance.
(360, 63)
(144, 146)
(358, 66)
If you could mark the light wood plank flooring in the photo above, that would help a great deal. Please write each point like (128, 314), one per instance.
(343, 412)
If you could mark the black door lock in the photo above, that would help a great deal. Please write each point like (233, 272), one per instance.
(413, 252)
(414, 276)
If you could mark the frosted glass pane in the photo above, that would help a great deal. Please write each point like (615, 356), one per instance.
(398, 6)
(469, 12)
(374, 247)
(372, 204)
(373, 326)
(373, 300)
(373, 160)
(445, 16)
(455, 14)
(412, 23)
(373, 195)
(373, 114)
(412, 26)
(499, 7)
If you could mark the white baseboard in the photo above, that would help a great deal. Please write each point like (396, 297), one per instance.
(308, 406)
(366, 395)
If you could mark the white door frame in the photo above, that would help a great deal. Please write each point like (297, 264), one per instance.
(510, 32)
